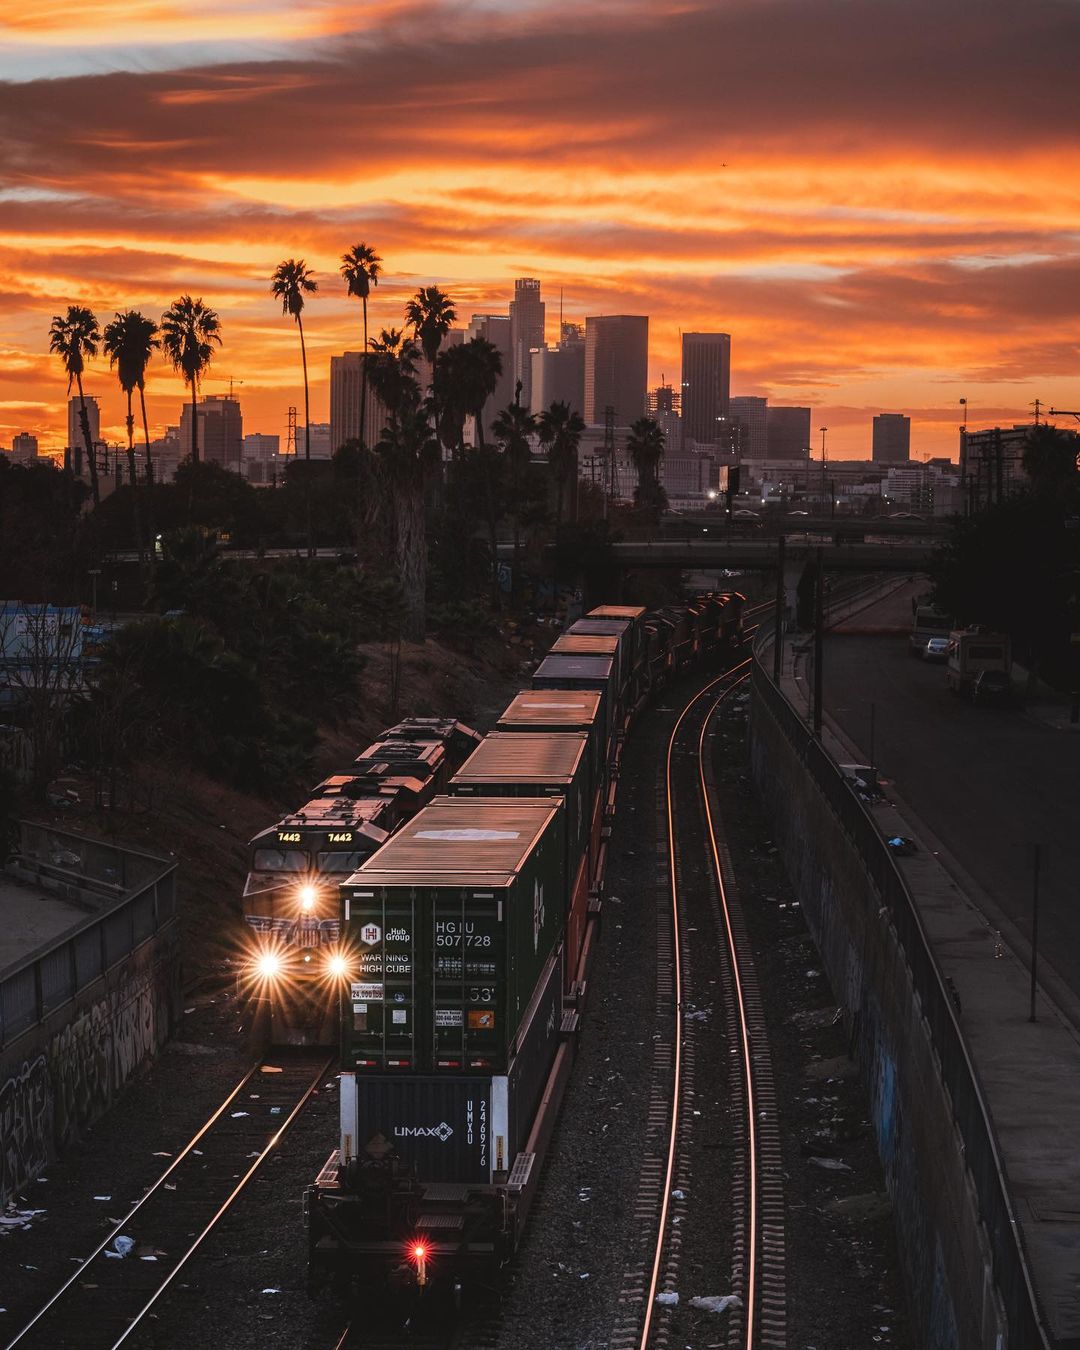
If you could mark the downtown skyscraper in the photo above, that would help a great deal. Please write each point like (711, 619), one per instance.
(616, 367)
(706, 385)
(527, 313)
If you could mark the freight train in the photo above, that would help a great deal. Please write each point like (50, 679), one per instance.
(294, 967)
(469, 936)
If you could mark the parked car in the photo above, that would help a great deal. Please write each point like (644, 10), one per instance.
(936, 649)
(992, 687)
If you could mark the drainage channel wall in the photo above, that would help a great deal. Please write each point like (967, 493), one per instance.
(965, 1271)
(81, 1016)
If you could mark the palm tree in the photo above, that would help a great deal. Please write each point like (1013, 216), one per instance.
(480, 369)
(561, 430)
(360, 270)
(404, 452)
(190, 331)
(512, 430)
(292, 280)
(645, 445)
(432, 315)
(129, 342)
(73, 338)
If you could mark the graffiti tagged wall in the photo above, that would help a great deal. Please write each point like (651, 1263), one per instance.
(48, 1098)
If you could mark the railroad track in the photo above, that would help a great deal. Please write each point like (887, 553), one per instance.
(111, 1293)
(695, 893)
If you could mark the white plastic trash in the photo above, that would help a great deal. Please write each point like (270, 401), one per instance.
(122, 1246)
(716, 1303)
(668, 1299)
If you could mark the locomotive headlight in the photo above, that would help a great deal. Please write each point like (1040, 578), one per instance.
(308, 896)
(269, 965)
(338, 966)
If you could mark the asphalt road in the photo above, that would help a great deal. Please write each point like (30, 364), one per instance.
(987, 781)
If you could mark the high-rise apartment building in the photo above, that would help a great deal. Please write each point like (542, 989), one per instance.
(346, 388)
(787, 432)
(260, 446)
(220, 431)
(616, 367)
(495, 328)
(749, 414)
(526, 333)
(558, 375)
(892, 437)
(24, 447)
(706, 385)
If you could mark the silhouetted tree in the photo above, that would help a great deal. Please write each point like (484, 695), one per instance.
(129, 342)
(73, 338)
(1050, 460)
(190, 332)
(560, 431)
(645, 446)
(360, 268)
(512, 430)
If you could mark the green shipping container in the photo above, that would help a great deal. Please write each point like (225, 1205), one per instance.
(517, 764)
(543, 710)
(449, 926)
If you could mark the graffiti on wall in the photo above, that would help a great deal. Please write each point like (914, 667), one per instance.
(48, 1102)
(24, 1125)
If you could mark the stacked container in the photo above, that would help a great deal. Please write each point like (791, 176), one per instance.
(556, 764)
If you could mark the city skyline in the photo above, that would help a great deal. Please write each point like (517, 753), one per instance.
(866, 249)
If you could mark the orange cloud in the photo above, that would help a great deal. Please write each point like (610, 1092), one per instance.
(876, 226)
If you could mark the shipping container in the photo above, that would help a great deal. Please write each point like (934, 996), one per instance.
(635, 616)
(544, 710)
(450, 925)
(623, 629)
(523, 764)
(465, 1129)
(567, 671)
(597, 644)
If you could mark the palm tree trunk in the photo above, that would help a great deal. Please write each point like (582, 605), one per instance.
(410, 541)
(363, 380)
(84, 422)
(136, 514)
(194, 424)
(150, 533)
(307, 444)
(555, 551)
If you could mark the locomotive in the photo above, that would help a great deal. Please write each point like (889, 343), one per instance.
(469, 935)
(294, 965)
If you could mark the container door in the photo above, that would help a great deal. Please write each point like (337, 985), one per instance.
(380, 1028)
(468, 981)
(439, 1126)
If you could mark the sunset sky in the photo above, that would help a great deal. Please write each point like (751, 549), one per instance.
(880, 201)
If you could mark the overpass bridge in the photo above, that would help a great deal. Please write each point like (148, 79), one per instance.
(706, 551)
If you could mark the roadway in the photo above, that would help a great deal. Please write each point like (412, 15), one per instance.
(986, 781)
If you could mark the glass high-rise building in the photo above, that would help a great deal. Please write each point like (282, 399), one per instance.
(892, 438)
(527, 312)
(787, 432)
(616, 367)
(706, 385)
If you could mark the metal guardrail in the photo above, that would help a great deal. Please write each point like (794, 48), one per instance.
(133, 895)
(1012, 1274)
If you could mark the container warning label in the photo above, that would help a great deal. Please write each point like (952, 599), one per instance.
(374, 992)
(448, 1017)
(481, 1019)
(399, 1016)
(470, 836)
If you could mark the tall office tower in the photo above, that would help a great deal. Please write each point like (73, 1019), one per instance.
(706, 385)
(664, 403)
(346, 387)
(260, 446)
(749, 414)
(526, 332)
(616, 367)
(24, 447)
(787, 432)
(558, 376)
(76, 441)
(892, 437)
(221, 431)
(495, 328)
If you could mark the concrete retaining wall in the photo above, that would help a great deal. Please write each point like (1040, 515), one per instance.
(64, 1073)
(941, 1239)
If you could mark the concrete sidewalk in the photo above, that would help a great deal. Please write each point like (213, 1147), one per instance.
(1029, 1072)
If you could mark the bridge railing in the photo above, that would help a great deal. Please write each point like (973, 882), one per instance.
(1012, 1274)
(129, 897)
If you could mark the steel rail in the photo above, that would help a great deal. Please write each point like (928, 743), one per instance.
(240, 1186)
(119, 1228)
(650, 1300)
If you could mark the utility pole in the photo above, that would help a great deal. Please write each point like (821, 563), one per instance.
(778, 616)
(819, 639)
(1036, 860)
(823, 431)
(609, 455)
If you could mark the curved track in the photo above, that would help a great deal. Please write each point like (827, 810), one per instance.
(109, 1295)
(698, 893)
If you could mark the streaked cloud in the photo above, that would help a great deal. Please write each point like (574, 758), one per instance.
(870, 220)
